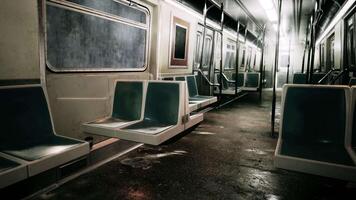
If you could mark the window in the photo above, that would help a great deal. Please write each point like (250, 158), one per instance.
(180, 33)
(86, 35)
(254, 59)
(322, 56)
(350, 44)
(207, 51)
(331, 52)
(230, 55)
(198, 49)
(243, 55)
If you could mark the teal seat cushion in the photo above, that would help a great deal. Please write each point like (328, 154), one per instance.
(225, 84)
(45, 147)
(6, 164)
(240, 79)
(148, 127)
(127, 104)
(162, 102)
(161, 109)
(317, 77)
(299, 78)
(252, 79)
(352, 82)
(314, 121)
(180, 78)
(199, 98)
(24, 117)
(320, 152)
(192, 86)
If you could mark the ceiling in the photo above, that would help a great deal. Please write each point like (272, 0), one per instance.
(291, 23)
(251, 12)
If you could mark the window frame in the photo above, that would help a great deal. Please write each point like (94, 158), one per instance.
(64, 4)
(232, 51)
(330, 52)
(177, 62)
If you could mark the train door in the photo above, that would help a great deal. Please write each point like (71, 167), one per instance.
(254, 61)
(248, 58)
(330, 53)
(217, 53)
(230, 57)
(203, 57)
(322, 57)
(350, 59)
(282, 70)
(242, 57)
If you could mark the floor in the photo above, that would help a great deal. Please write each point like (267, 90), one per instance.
(228, 156)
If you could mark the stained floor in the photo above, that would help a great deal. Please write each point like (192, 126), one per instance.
(228, 156)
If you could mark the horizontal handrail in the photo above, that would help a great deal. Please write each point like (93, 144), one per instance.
(224, 76)
(206, 78)
(338, 76)
(342, 72)
(327, 75)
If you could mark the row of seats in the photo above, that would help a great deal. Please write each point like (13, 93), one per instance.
(301, 78)
(150, 112)
(250, 80)
(246, 81)
(318, 131)
(196, 101)
(28, 142)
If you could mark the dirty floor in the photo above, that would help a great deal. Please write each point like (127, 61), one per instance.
(228, 156)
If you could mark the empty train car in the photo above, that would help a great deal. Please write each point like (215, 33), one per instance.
(178, 99)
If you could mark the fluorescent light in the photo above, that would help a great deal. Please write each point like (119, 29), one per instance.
(272, 15)
(267, 4)
(275, 27)
(270, 10)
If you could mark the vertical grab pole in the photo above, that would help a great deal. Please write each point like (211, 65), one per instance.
(237, 56)
(202, 49)
(262, 60)
(312, 43)
(204, 32)
(245, 40)
(275, 70)
(288, 66)
(221, 51)
(309, 52)
(305, 48)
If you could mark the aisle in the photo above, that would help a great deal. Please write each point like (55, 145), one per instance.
(228, 156)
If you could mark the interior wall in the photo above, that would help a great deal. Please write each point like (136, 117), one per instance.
(78, 97)
(19, 40)
(166, 15)
(269, 53)
(338, 45)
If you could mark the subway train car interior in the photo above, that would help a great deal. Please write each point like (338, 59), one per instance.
(178, 99)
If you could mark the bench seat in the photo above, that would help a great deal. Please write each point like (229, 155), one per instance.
(37, 150)
(147, 126)
(314, 131)
(11, 171)
(28, 132)
(163, 109)
(127, 108)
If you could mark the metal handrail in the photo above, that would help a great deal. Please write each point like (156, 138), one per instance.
(342, 72)
(206, 78)
(224, 76)
(338, 76)
(327, 75)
